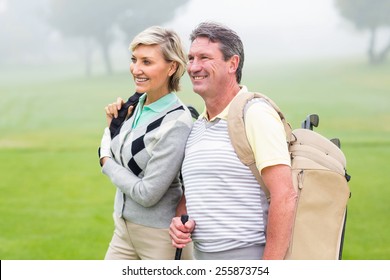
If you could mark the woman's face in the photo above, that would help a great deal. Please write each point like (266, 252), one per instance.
(150, 70)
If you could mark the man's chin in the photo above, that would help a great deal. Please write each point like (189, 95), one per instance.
(198, 89)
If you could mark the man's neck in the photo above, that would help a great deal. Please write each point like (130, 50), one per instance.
(217, 103)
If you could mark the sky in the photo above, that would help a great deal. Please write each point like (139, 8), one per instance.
(271, 30)
(279, 29)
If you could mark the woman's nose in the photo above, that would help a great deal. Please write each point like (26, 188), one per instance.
(135, 69)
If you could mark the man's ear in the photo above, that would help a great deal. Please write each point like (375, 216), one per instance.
(234, 61)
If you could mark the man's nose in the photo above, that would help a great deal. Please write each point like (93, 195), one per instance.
(194, 65)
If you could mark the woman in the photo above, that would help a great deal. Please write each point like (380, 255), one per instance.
(143, 161)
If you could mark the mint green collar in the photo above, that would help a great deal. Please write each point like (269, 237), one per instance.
(146, 112)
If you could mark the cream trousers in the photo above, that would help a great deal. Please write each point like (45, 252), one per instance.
(136, 242)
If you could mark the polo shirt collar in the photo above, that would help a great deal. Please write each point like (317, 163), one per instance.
(224, 114)
(160, 104)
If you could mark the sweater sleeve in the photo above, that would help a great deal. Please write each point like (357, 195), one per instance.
(163, 166)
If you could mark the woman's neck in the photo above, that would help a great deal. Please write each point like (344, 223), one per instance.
(153, 97)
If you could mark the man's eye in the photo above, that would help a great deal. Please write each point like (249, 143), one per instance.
(133, 60)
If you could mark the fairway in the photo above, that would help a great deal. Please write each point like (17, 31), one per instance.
(56, 204)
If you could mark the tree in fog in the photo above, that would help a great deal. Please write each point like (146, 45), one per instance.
(142, 14)
(371, 15)
(22, 32)
(94, 20)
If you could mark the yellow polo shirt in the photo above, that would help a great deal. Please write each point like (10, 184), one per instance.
(269, 148)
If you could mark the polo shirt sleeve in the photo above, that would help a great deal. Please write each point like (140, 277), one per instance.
(266, 135)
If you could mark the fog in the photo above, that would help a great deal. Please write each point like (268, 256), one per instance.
(272, 31)
(279, 29)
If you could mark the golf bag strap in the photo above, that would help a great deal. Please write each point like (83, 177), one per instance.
(237, 132)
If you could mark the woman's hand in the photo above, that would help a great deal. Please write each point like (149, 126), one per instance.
(113, 109)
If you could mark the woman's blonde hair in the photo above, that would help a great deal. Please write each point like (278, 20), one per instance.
(171, 47)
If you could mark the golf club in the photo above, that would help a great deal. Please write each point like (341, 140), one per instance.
(184, 219)
(310, 121)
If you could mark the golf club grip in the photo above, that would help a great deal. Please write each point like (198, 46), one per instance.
(184, 219)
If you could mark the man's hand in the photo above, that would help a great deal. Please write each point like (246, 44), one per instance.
(181, 234)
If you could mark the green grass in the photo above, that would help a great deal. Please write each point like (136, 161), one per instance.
(367, 231)
(56, 204)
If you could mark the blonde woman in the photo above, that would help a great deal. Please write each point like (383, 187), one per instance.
(144, 159)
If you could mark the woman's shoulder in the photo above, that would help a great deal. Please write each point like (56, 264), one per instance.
(180, 112)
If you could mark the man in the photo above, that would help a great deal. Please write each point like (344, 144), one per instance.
(230, 217)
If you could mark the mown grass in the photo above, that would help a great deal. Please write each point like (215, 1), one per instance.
(56, 204)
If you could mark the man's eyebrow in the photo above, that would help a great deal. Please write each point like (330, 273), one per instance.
(200, 54)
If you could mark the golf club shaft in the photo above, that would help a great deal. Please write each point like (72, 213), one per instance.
(184, 219)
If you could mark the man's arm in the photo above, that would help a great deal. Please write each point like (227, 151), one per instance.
(181, 234)
(181, 208)
(278, 180)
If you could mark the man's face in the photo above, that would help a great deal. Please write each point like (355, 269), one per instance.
(206, 67)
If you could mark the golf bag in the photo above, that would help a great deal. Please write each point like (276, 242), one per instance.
(319, 177)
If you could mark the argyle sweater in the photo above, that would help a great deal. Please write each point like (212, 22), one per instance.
(145, 166)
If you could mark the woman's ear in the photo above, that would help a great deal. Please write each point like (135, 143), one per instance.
(172, 68)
